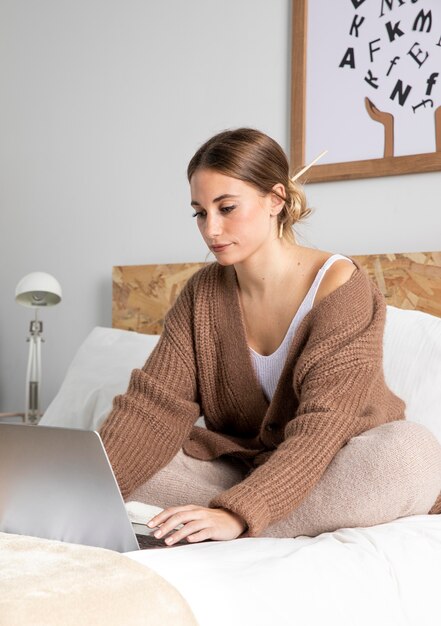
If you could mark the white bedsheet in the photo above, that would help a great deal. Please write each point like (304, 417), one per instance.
(389, 574)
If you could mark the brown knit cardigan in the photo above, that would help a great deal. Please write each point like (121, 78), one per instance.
(332, 388)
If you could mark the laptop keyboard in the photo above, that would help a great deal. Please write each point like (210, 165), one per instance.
(150, 541)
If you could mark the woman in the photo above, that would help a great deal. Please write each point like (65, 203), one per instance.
(279, 346)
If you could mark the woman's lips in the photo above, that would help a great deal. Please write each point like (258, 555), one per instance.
(219, 248)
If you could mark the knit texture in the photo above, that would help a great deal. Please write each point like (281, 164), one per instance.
(331, 389)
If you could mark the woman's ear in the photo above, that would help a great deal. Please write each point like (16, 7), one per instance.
(278, 196)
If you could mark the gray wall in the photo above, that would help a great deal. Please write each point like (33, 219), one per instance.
(103, 103)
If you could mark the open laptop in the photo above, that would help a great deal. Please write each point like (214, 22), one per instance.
(57, 483)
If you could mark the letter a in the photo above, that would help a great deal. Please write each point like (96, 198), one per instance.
(348, 59)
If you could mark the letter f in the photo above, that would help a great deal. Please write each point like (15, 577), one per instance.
(431, 81)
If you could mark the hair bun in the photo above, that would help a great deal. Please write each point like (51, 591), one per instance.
(295, 208)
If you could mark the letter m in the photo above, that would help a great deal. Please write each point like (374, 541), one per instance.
(421, 19)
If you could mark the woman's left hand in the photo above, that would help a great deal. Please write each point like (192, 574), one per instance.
(199, 523)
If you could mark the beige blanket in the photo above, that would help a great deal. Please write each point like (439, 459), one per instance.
(51, 583)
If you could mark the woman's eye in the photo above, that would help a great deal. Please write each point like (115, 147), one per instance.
(224, 209)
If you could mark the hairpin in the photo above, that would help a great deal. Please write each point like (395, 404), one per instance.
(308, 166)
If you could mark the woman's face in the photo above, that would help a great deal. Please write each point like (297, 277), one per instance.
(234, 218)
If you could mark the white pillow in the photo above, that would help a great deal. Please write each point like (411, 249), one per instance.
(412, 364)
(100, 370)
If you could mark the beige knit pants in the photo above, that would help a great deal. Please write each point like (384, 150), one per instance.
(391, 471)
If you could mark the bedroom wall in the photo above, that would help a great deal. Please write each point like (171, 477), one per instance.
(103, 103)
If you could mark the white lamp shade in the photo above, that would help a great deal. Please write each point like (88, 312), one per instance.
(38, 289)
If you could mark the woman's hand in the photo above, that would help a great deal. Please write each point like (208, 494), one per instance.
(199, 523)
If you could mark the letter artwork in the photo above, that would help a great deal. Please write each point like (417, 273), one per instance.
(393, 49)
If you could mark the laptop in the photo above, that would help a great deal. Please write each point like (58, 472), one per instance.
(57, 483)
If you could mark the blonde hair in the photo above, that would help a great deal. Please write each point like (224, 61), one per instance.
(249, 155)
(295, 209)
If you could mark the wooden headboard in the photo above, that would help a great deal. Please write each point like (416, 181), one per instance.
(142, 294)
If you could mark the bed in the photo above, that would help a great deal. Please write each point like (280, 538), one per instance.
(386, 574)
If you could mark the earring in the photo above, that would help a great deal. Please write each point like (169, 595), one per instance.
(281, 230)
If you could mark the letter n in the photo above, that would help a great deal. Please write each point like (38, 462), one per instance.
(390, 4)
(402, 94)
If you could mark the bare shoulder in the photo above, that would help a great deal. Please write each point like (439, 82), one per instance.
(335, 276)
(338, 274)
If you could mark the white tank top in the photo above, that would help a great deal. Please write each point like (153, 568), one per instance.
(268, 368)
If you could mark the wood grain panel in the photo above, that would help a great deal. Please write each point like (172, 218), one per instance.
(142, 294)
(407, 280)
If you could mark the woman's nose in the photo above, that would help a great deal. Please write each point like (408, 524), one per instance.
(212, 226)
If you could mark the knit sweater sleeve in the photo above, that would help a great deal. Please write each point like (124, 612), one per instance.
(149, 423)
(335, 380)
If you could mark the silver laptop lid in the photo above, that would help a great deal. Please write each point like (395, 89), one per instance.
(57, 483)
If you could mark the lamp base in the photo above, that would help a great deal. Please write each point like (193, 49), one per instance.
(33, 375)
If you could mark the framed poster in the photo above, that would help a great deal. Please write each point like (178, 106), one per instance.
(366, 87)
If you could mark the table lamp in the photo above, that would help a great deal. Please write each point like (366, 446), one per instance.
(37, 289)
